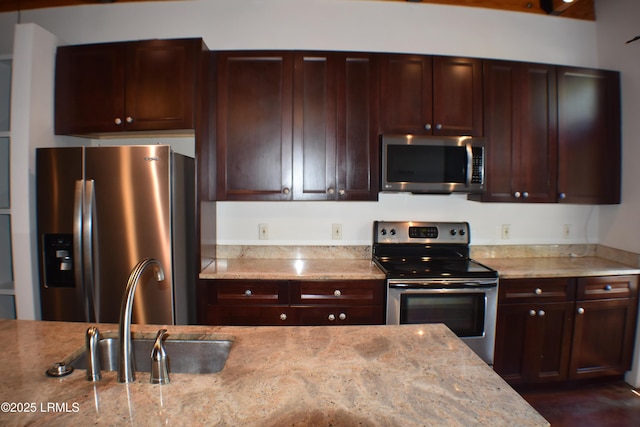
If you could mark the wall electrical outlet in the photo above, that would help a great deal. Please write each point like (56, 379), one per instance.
(506, 231)
(336, 231)
(566, 231)
(263, 231)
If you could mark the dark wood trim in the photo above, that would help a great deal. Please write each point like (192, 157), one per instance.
(579, 9)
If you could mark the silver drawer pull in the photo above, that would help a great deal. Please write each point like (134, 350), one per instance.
(283, 316)
(247, 293)
(580, 310)
(342, 316)
(538, 291)
(541, 313)
(608, 288)
(332, 317)
(532, 313)
(337, 293)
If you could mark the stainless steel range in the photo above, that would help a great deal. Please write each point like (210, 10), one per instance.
(432, 279)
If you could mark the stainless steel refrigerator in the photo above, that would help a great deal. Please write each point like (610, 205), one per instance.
(100, 211)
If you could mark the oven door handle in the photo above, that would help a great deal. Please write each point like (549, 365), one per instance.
(445, 283)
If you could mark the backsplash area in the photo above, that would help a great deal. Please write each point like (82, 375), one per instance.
(364, 252)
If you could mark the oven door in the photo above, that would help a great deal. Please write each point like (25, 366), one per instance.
(468, 308)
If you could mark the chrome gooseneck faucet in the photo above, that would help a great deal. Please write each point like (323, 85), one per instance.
(126, 368)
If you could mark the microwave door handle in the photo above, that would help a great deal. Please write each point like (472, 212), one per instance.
(469, 164)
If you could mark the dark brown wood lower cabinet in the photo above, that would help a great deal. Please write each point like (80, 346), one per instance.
(551, 330)
(296, 302)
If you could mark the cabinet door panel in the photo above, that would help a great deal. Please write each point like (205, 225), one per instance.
(314, 126)
(254, 126)
(161, 82)
(406, 94)
(513, 343)
(588, 135)
(357, 128)
(554, 323)
(457, 96)
(603, 338)
(536, 167)
(90, 83)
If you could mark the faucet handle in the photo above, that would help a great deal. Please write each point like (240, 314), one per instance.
(159, 360)
(93, 363)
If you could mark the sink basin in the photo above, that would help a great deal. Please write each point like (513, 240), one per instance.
(187, 353)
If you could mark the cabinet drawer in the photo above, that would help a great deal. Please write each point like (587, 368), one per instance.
(536, 290)
(253, 315)
(249, 292)
(345, 315)
(360, 292)
(607, 287)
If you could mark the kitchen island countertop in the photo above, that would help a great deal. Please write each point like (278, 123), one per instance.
(408, 375)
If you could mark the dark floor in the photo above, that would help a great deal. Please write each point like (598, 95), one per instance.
(602, 404)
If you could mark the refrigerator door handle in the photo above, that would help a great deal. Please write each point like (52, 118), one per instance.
(78, 269)
(89, 252)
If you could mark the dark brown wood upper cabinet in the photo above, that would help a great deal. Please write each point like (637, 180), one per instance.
(296, 126)
(428, 95)
(130, 86)
(254, 125)
(588, 136)
(335, 127)
(520, 124)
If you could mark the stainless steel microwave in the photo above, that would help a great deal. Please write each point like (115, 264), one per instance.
(432, 164)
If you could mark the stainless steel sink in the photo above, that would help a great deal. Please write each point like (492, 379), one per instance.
(187, 353)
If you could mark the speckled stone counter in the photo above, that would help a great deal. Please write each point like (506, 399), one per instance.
(409, 375)
(517, 268)
(288, 269)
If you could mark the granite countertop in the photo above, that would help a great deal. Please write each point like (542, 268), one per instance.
(292, 269)
(408, 375)
(520, 268)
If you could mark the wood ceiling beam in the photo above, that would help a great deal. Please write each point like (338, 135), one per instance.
(580, 9)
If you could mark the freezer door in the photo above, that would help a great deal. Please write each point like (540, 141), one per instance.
(62, 294)
(131, 221)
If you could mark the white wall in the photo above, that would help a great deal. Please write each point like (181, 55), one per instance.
(367, 26)
(617, 23)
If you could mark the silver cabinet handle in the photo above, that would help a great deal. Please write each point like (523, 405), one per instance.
(129, 119)
(337, 293)
(427, 126)
(538, 291)
(439, 126)
(247, 293)
(580, 310)
(286, 190)
(562, 196)
(608, 288)
(541, 313)
(517, 194)
(283, 316)
(331, 317)
(525, 194)
(532, 313)
(342, 316)
(341, 192)
(331, 190)
(117, 121)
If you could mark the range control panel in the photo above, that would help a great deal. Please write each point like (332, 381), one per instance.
(398, 232)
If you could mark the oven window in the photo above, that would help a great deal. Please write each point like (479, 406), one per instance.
(462, 313)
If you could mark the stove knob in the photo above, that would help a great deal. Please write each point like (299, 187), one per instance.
(453, 232)
(383, 231)
(462, 232)
(393, 232)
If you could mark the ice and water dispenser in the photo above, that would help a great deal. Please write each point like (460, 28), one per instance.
(58, 260)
